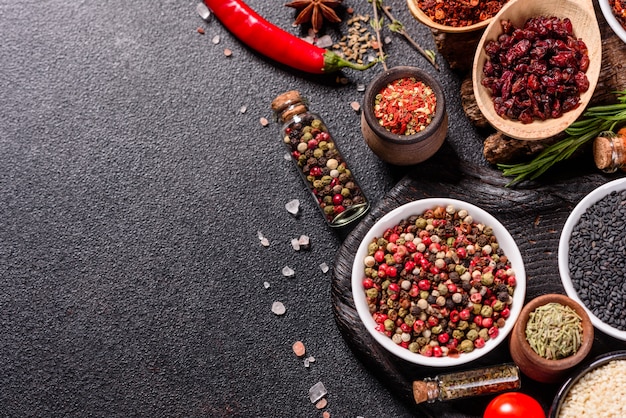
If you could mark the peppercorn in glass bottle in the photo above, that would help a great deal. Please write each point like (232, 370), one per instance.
(319, 161)
(463, 384)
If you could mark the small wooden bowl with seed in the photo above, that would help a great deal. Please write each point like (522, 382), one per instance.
(548, 314)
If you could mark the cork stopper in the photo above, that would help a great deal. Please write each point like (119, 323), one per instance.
(288, 104)
(609, 151)
(424, 391)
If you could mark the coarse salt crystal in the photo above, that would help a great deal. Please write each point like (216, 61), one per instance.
(304, 242)
(243, 109)
(298, 348)
(216, 40)
(203, 11)
(288, 271)
(278, 308)
(293, 206)
(317, 392)
(264, 122)
(295, 244)
(266, 285)
(324, 267)
(324, 41)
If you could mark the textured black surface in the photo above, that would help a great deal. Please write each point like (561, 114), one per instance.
(132, 188)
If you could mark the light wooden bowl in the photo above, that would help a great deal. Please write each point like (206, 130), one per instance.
(423, 18)
(585, 25)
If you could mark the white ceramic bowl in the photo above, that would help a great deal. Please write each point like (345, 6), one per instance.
(572, 220)
(611, 20)
(506, 242)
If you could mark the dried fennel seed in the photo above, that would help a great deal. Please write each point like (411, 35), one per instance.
(358, 43)
(554, 331)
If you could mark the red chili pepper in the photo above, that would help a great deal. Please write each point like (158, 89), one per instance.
(275, 43)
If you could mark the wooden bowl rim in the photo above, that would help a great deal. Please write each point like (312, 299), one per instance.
(561, 364)
(423, 18)
(519, 11)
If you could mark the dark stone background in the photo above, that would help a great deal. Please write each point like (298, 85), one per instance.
(131, 192)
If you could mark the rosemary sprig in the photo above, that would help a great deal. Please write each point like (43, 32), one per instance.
(596, 120)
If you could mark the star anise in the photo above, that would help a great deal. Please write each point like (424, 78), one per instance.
(315, 11)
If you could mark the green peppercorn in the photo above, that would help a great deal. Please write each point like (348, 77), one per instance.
(389, 259)
(318, 153)
(328, 210)
(471, 335)
(443, 289)
(409, 320)
(466, 346)
(476, 308)
(389, 324)
(345, 192)
(498, 305)
(460, 269)
(437, 329)
(318, 184)
(457, 334)
(372, 248)
(323, 145)
(402, 312)
(372, 293)
(462, 325)
(414, 347)
(385, 284)
(420, 223)
(486, 311)
(487, 279)
(484, 334)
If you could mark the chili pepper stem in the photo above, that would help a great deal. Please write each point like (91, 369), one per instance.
(333, 62)
(375, 5)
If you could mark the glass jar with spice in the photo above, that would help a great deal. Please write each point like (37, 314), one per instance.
(463, 384)
(319, 161)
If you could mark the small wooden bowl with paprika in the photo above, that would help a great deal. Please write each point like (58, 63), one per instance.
(404, 119)
(550, 309)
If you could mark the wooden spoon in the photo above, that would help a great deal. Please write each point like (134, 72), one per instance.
(585, 26)
(424, 19)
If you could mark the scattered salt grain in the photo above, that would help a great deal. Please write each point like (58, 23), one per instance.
(324, 267)
(360, 87)
(324, 41)
(305, 242)
(266, 285)
(216, 40)
(287, 156)
(356, 106)
(264, 122)
(317, 392)
(228, 52)
(288, 271)
(264, 241)
(243, 109)
(387, 40)
(278, 308)
(311, 359)
(293, 206)
(203, 11)
(321, 404)
(295, 244)
(299, 349)
(306, 362)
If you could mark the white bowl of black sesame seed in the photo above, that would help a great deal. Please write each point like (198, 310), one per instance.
(592, 257)
(438, 282)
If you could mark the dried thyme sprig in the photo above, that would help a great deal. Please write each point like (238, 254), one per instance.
(397, 27)
(595, 120)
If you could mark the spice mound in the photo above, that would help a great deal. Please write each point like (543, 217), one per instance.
(596, 258)
(599, 393)
(554, 331)
(405, 106)
(438, 283)
(459, 13)
(536, 72)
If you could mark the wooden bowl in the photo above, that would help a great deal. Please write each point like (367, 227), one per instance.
(585, 25)
(397, 149)
(532, 364)
(424, 19)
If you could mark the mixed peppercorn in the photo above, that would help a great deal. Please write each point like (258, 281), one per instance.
(326, 172)
(438, 283)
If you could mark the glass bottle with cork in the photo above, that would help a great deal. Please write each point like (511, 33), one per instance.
(317, 157)
(463, 384)
(609, 151)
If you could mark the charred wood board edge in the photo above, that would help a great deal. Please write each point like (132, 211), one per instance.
(534, 217)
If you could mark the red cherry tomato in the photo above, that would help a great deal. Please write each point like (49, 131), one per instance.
(514, 405)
